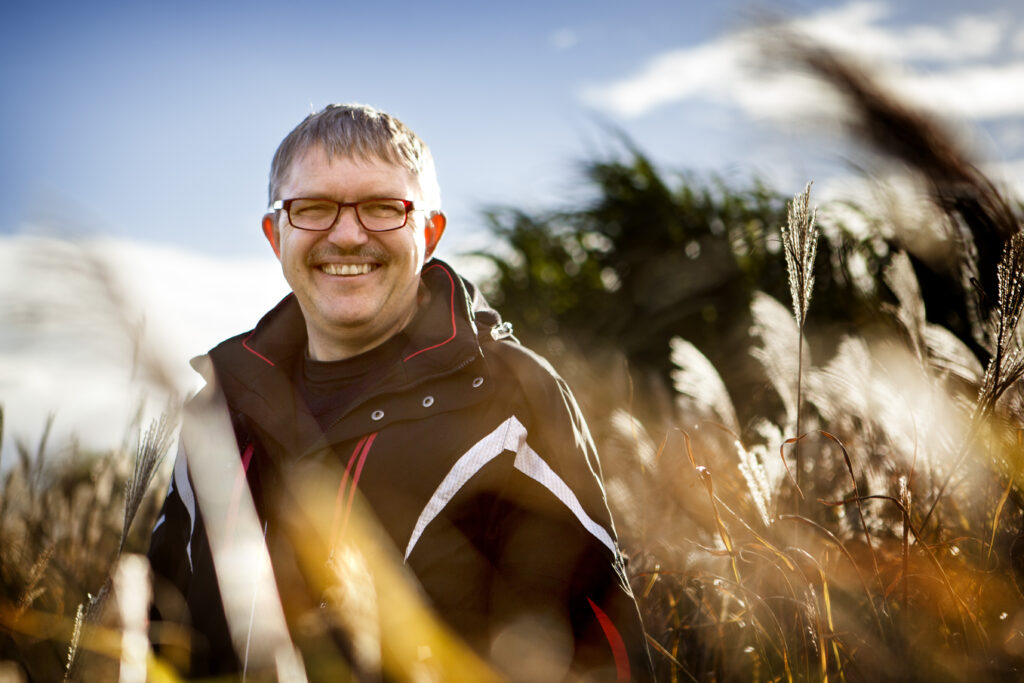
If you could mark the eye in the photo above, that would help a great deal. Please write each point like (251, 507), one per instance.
(382, 208)
(313, 208)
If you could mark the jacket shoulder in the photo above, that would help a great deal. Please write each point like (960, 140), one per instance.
(543, 401)
(511, 360)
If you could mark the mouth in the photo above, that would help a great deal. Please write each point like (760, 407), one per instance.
(348, 269)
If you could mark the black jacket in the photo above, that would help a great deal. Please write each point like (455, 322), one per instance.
(472, 454)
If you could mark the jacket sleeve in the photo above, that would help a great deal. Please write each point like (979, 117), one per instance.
(555, 540)
(188, 626)
(170, 549)
(170, 546)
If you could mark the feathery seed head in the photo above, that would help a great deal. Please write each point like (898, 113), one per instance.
(800, 244)
(1011, 287)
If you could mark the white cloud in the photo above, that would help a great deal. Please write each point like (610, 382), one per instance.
(62, 350)
(1008, 175)
(729, 70)
(1017, 43)
(975, 92)
(673, 76)
(855, 28)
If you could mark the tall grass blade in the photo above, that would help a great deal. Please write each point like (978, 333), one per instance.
(860, 507)
(240, 556)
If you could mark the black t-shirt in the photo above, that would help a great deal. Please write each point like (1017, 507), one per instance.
(330, 387)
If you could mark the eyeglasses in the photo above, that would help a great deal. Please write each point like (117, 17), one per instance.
(375, 215)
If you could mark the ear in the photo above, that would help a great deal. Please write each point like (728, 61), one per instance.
(433, 230)
(271, 233)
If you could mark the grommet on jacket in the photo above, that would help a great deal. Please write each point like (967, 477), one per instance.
(377, 415)
(428, 401)
(477, 382)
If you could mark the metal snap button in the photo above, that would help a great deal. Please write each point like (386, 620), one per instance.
(377, 415)
(428, 401)
(477, 382)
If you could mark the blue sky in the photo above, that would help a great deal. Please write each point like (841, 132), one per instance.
(151, 126)
(156, 121)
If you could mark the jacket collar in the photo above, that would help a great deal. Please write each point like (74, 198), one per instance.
(255, 370)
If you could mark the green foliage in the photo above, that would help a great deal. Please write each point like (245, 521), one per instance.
(655, 255)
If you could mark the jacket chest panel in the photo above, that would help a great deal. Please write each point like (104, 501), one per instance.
(406, 463)
(424, 400)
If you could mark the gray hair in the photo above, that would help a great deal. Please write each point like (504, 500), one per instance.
(357, 131)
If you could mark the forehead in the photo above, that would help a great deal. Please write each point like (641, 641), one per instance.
(315, 171)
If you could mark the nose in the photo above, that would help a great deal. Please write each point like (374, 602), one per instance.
(346, 230)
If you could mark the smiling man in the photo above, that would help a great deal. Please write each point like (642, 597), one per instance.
(388, 375)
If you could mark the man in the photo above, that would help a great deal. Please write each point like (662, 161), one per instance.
(389, 376)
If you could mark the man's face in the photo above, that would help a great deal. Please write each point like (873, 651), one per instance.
(356, 288)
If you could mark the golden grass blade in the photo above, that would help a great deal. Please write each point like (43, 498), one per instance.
(660, 649)
(240, 556)
(846, 553)
(373, 598)
(1010, 480)
(860, 508)
(723, 532)
(789, 473)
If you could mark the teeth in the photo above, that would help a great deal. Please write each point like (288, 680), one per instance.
(346, 268)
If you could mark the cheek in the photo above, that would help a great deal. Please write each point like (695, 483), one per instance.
(416, 245)
(293, 249)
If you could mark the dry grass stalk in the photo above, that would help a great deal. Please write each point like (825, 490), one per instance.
(1007, 363)
(897, 130)
(1006, 367)
(152, 450)
(800, 245)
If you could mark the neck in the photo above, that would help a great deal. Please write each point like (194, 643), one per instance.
(337, 347)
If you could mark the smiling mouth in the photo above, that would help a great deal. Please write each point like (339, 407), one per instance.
(348, 268)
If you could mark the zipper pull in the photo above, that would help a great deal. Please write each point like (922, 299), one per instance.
(502, 331)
